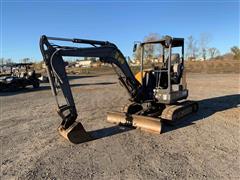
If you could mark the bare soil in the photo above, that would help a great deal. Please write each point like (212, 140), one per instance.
(203, 146)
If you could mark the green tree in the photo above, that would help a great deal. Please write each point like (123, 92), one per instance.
(236, 52)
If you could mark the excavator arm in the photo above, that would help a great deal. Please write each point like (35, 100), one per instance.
(146, 111)
(106, 51)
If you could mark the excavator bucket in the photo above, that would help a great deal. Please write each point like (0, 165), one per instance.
(75, 133)
(141, 122)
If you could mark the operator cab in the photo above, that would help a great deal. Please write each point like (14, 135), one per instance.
(163, 76)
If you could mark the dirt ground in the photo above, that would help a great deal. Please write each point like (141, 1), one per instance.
(203, 146)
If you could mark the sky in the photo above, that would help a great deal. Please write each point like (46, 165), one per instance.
(120, 22)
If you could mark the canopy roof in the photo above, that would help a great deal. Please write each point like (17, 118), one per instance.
(176, 42)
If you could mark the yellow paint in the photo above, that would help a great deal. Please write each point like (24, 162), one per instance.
(138, 76)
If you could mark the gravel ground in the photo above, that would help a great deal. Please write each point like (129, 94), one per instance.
(203, 146)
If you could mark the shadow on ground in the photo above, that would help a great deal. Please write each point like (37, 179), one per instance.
(47, 87)
(207, 107)
(77, 134)
(109, 131)
(72, 77)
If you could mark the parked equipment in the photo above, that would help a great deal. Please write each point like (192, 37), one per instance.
(18, 78)
(156, 95)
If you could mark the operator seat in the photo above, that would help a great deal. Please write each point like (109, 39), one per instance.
(176, 68)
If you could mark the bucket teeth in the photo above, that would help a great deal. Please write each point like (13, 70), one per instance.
(75, 133)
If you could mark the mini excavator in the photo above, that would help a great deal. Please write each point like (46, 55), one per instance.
(157, 95)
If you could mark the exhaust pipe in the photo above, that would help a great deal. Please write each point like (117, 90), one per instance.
(142, 122)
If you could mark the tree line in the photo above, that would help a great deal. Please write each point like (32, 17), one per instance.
(200, 48)
(195, 48)
(11, 61)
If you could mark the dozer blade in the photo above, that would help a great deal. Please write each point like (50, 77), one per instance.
(141, 122)
(75, 133)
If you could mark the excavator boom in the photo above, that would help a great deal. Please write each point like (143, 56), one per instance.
(107, 52)
(152, 101)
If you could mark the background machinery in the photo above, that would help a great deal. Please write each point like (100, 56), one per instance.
(19, 76)
(156, 94)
